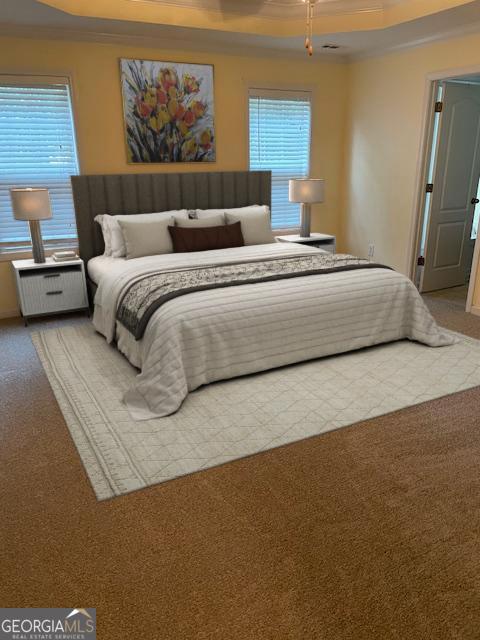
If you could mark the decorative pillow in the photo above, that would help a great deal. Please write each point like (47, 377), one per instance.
(118, 249)
(205, 238)
(210, 221)
(146, 238)
(106, 234)
(254, 208)
(256, 227)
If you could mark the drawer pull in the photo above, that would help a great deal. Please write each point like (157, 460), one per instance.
(54, 293)
(52, 275)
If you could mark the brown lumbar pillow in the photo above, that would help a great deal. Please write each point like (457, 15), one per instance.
(205, 238)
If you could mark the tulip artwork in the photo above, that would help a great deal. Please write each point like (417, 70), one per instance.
(168, 111)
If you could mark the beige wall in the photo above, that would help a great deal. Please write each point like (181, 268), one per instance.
(386, 105)
(94, 69)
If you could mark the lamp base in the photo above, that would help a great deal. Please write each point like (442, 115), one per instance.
(37, 242)
(305, 224)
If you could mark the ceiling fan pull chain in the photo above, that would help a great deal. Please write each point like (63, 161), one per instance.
(310, 49)
(309, 35)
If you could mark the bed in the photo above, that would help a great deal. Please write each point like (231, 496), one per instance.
(273, 304)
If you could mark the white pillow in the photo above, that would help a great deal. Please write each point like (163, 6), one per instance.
(117, 242)
(209, 221)
(106, 234)
(146, 238)
(254, 208)
(256, 227)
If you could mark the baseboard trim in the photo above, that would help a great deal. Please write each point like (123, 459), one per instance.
(475, 311)
(13, 313)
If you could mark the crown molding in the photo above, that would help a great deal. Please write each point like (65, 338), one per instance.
(202, 46)
(451, 34)
(152, 42)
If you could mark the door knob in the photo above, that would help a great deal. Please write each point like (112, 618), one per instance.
(475, 200)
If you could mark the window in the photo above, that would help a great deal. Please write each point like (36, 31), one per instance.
(37, 149)
(280, 142)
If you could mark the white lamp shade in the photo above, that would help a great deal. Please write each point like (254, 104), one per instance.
(306, 190)
(30, 204)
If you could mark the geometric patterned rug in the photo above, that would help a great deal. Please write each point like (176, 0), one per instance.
(231, 419)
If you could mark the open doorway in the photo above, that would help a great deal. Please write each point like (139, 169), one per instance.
(450, 205)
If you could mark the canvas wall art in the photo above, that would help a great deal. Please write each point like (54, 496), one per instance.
(168, 111)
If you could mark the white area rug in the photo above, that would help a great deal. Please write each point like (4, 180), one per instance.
(228, 420)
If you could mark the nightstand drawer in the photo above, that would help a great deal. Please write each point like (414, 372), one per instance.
(51, 290)
(48, 279)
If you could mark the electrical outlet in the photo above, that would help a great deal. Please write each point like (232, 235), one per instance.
(371, 250)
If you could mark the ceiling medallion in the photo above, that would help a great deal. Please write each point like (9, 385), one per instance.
(309, 32)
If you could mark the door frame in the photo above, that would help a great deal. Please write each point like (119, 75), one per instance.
(426, 138)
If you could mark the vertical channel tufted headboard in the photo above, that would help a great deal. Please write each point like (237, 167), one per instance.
(150, 192)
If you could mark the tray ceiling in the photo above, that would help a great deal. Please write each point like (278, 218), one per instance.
(280, 18)
(175, 25)
(278, 8)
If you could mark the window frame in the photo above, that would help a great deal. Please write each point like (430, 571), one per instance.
(279, 91)
(9, 251)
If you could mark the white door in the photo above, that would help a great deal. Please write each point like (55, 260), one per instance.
(457, 171)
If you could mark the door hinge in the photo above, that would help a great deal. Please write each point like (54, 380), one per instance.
(421, 261)
(429, 187)
(438, 107)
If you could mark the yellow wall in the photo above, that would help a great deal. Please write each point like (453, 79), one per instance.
(94, 69)
(386, 104)
(8, 297)
(365, 139)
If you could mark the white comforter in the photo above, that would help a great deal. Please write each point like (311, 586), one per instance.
(227, 332)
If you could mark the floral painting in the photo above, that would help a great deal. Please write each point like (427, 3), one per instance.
(169, 111)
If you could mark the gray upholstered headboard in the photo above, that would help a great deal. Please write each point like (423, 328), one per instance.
(149, 192)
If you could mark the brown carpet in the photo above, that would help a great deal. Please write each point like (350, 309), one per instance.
(455, 295)
(371, 531)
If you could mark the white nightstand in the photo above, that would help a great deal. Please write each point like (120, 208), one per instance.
(319, 240)
(50, 287)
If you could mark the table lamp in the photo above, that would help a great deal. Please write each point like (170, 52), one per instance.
(33, 205)
(307, 191)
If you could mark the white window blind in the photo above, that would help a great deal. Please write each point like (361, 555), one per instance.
(37, 149)
(280, 125)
